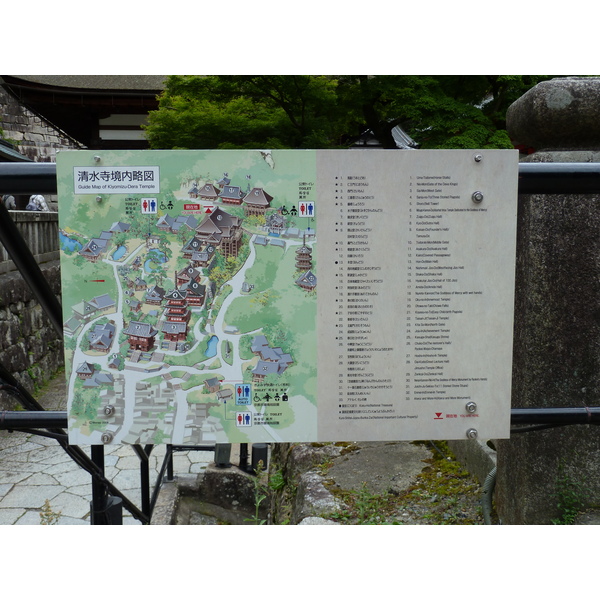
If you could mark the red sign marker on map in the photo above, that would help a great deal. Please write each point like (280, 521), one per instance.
(438, 416)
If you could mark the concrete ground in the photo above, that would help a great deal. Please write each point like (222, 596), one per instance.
(35, 472)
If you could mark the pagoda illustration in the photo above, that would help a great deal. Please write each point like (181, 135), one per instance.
(176, 316)
(304, 257)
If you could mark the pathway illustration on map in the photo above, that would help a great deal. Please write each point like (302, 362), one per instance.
(189, 296)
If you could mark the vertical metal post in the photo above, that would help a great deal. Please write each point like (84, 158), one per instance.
(170, 462)
(143, 455)
(105, 509)
(99, 502)
(243, 457)
(260, 453)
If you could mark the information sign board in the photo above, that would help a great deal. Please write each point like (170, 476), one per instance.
(292, 295)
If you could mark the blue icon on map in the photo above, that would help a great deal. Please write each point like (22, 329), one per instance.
(243, 394)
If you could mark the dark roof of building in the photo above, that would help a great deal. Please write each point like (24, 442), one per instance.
(8, 153)
(259, 197)
(140, 329)
(96, 111)
(95, 82)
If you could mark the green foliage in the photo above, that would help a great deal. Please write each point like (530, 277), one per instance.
(245, 347)
(260, 495)
(304, 111)
(569, 497)
(277, 481)
(365, 508)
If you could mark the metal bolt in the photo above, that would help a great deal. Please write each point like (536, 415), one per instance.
(471, 407)
(472, 433)
(478, 158)
(98, 198)
(97, 158)
(477, 197)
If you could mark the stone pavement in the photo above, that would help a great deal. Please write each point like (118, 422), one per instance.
(35, 469)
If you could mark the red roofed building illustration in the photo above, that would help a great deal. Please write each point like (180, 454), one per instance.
(176, 316)
(177, 307)
(231, 194)
(304, 257)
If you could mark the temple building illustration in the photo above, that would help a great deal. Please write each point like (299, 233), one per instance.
(307, 281)
(256, 202)
(209, 192)
(221, 230)
(231, 194)
(272, 361)
(141, 336)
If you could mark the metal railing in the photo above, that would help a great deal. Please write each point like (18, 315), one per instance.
(107, 499)
(40, 233)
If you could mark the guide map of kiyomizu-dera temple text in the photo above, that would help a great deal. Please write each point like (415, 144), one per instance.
(215, 296)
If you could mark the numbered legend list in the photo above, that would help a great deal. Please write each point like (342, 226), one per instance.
(421, 277)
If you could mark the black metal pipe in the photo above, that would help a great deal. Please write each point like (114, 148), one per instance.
(169, 461)
(27, 178)
(61, 438)
(10, 385)
(243, 465)
(534, 178)
(45, 419)
(557, 415)
(559, 178)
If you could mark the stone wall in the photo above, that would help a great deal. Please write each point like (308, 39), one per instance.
(30, 348)
(34, 137)
(556, 358)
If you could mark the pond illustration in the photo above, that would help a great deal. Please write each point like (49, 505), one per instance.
(119, 252)
(68, 244)
(211, 349)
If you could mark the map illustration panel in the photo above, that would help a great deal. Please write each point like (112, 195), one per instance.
(217, 296)
(189, 286)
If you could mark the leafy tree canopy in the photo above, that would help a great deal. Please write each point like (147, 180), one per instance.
(317, 111)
